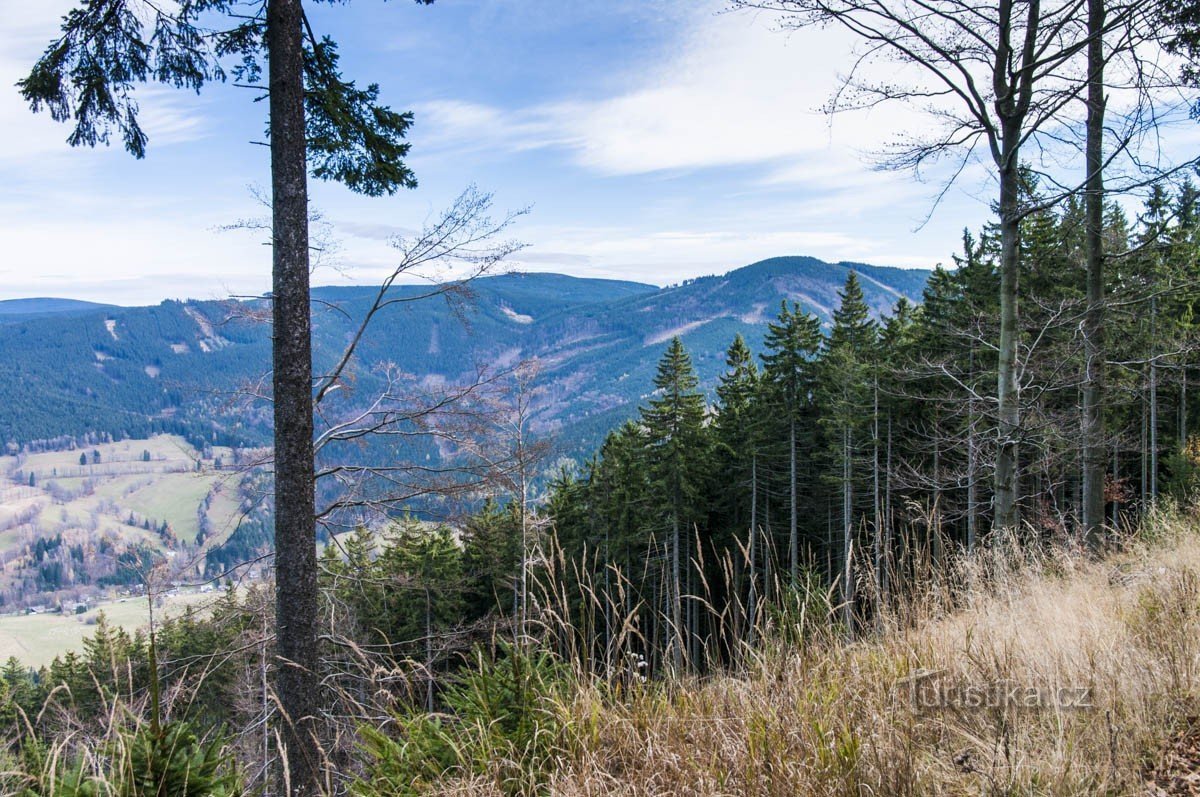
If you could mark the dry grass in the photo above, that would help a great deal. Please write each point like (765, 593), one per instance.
(840, 718)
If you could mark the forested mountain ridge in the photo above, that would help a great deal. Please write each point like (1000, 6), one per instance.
(20, 309)
(181, 367)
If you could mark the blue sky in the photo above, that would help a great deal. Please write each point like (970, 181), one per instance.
(655, 140)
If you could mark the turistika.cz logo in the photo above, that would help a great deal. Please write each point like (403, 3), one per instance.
(930, 690)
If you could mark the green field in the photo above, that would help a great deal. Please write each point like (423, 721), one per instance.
(103, 495)
(122, 495)
(36, 639)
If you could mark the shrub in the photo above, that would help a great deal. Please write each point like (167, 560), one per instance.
(507, 721)
(170, 761)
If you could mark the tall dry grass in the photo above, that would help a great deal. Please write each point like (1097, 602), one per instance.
(838, 717)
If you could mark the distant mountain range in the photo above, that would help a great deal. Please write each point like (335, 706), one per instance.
(22, 309)
(69, 368)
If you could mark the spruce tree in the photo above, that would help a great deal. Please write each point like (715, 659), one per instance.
(847, 370)
(738, 432)
(739, 437)
(491, 558)
(790, 376)
(679, 466)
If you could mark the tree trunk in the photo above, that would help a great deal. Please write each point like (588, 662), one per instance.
(768, 539)
(752, 599)
(793, 534)
(877, 541)
(886, 583)
(676, 599)
(1145, 492)
(1183, 425)
(296, 679)
(1007, 388)
(847, 536)
(934, 524)
(1093, 321)
(1116, 476)
(1153, 401)
(972, 466)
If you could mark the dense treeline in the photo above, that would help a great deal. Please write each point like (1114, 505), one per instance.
(125, 373)
(853, 453)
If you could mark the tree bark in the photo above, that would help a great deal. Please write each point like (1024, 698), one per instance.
(1093, 321)
(1007, 388)
(296, 678)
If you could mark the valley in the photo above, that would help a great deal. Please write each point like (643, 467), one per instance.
(37, 639)
(129, 435)
(94, 522)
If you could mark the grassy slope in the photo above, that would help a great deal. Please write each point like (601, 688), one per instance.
(36, 639)
(166, 487)
(837, 718)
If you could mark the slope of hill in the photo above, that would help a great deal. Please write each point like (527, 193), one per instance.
(178, 367)
(1019, 673)
(76, 523)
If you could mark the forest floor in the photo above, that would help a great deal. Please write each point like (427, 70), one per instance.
(1049, 674)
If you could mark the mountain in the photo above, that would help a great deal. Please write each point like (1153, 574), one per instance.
(24, 309)
(177, 367)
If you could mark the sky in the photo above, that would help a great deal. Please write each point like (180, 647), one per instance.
(653, 140)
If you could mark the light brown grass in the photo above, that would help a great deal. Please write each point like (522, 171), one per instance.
(837, 717)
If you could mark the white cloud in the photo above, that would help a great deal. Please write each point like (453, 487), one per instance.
(731, 92)
(735, 92)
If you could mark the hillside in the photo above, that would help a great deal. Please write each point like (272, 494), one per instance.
(80, 524)
(1016, 672)
(69, 369)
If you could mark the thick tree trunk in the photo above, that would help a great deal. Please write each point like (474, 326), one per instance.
(1093, 321)
(296, 679)
(1007, 477)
